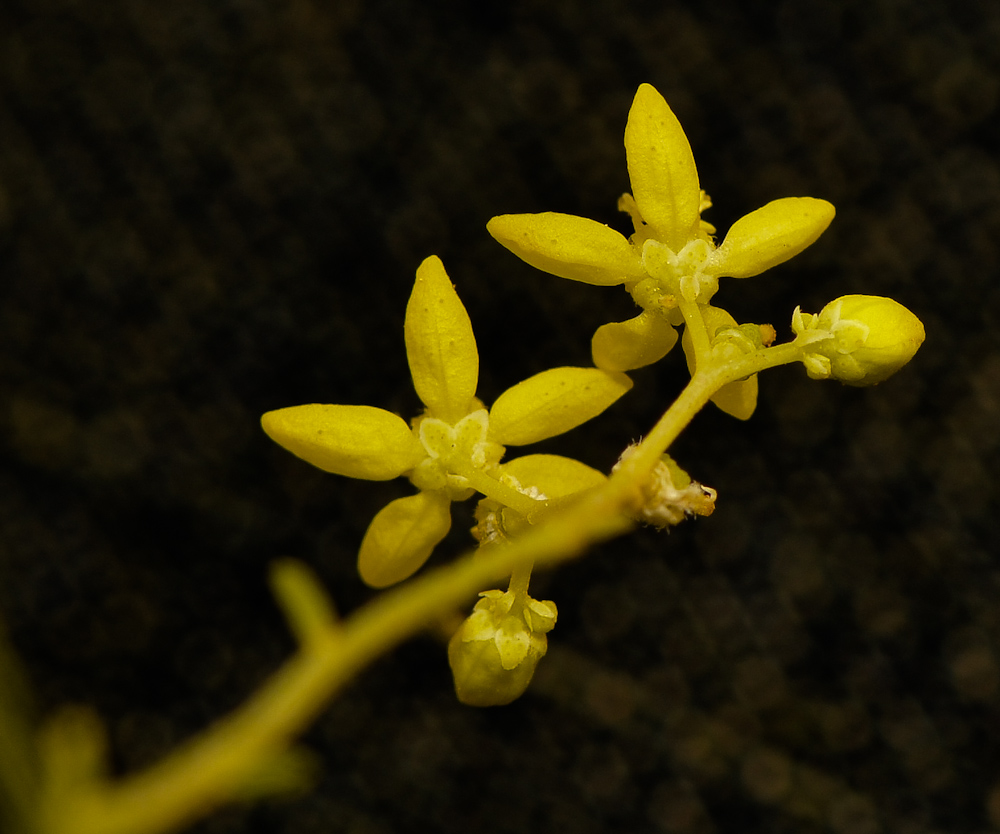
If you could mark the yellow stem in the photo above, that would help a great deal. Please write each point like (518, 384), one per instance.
(207, 771)
(210, 769)
(496, 489)
(519, 580)
(694, 321)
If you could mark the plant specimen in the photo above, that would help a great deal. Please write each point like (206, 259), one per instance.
(536, 509)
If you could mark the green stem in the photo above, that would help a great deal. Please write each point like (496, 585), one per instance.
(210, 769)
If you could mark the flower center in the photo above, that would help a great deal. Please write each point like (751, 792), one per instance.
(452, 448)
(681, 274)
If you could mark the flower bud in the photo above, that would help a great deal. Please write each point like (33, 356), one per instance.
(859, 339)
(494, 653)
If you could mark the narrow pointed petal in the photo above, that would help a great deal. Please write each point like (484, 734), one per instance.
(771, 235)
(553, 402)
(402, 536)
(358, 441)
(568, 246)
(555, 475)
(662, 170)
(626, 345)
(440, 344)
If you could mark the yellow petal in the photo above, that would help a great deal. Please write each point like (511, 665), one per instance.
(358, 441)
(440, 344)
(626, 345)
(553, 402)
(770, 235)
(738, 399)
(402, 536)
(661, 167)
(554, 475)
(568, 246)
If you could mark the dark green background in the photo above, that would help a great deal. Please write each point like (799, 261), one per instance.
(211, 209)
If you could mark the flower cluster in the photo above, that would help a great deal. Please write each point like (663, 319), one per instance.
(451, 450)
(671, 261)
(671, 266)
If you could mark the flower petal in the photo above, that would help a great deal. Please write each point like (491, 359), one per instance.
(568, 246)
(661, 167)
(738, 399)
(440, 344)
(402, 536)
(553, 402)
(358, 441)
(626, 345)
(554, 475)
(770, 235)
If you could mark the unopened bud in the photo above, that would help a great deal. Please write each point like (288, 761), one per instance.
(859, 339)
(494, 653)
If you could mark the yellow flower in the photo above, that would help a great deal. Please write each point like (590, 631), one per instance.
(671, 256)
(858, 339)
(455, 439)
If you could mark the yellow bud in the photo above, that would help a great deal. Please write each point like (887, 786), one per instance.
(480, 679)
(870, 338)
(494, 653)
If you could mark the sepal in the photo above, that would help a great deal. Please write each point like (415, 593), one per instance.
(553, 402)
(627, 345)
(402, 536)
(738, 399)
(568, 246)
(770, 235)
(662, 170)
(440, 345)
(359, 441)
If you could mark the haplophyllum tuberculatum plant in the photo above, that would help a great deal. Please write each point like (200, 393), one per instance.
(534, 510)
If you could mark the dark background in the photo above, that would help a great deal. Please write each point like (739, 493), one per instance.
(212, 209)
